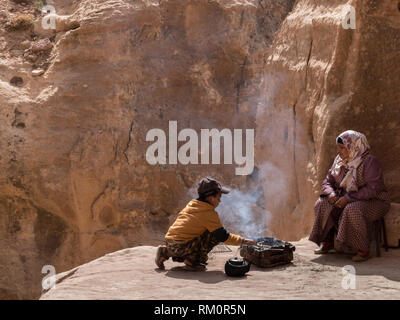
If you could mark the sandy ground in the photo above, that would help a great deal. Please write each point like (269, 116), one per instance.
(131, 274)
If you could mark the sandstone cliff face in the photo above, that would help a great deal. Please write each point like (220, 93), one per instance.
(76, 104)
(320, 80)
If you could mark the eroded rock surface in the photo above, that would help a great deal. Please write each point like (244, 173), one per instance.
(74, 181)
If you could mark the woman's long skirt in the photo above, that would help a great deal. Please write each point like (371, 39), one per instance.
(353, 223)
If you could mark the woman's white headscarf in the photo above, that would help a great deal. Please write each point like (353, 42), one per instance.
(357, 145)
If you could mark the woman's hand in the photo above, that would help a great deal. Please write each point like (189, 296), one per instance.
(249, 242)
(341, 203)
(332, 198)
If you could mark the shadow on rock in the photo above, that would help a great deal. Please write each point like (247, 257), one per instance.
(212, 277)
(275, 268)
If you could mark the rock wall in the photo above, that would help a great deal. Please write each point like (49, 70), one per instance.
(320, 80)
(77, 101)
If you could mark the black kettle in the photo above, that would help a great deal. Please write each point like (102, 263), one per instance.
(237, 267)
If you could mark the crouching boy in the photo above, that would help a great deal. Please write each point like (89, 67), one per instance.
(197, 229)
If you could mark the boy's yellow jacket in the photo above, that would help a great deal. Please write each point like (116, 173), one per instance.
(194, 220)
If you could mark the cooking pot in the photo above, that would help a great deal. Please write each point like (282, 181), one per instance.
(237, 267)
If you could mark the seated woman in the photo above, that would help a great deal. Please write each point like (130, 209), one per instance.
(353, 196)
(197, 229)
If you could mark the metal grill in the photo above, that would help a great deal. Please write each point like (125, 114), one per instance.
(269, 252)
(219, 248)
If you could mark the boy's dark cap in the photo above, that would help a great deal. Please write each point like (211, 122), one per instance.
(208, 186)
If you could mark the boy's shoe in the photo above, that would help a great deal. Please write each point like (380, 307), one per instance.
(359, 257)
(161, 256)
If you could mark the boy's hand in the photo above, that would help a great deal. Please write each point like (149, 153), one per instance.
(249, 242)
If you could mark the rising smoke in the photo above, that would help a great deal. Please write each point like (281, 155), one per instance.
(248, 213)
(238, 212)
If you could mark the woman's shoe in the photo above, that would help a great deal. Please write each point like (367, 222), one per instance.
(359, 257)
(323, 249)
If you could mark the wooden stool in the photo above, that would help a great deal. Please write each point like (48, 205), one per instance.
(380, 230)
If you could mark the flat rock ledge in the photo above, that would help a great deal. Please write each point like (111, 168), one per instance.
(132, 274)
